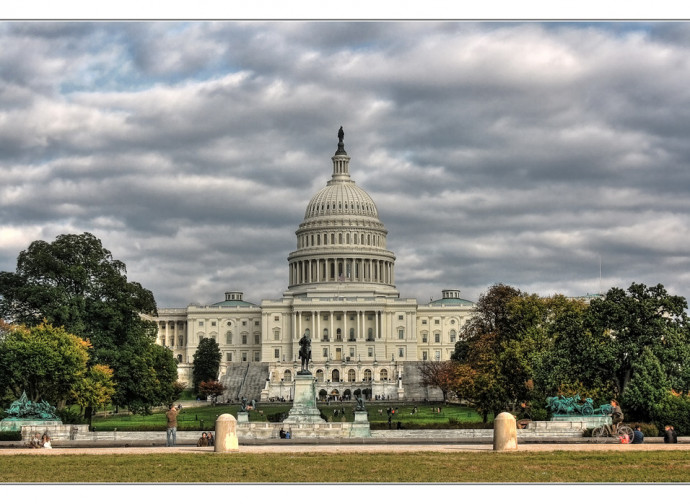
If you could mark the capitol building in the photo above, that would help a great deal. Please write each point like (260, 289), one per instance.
(341, 292)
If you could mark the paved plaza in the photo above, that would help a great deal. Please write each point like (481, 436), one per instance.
(339, 448)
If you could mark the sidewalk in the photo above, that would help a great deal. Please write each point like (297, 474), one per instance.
(291, 447)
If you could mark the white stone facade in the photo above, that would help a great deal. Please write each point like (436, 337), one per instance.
(341, 290)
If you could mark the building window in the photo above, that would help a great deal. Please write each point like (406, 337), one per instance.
(257, 338)
(437, 322)
(338, 317)
(352, 351)
(228, 338)
(228, 356)
(325, 317)
(244, 339)
(352, 334)
(370, 317)
(276, 353)
(370, 352)
(370, 334)
(401, 333)
(437, 355)
(452, 336)
(257, 357)
(423, 322)
(276, 318)
(325, 334)
(325, 352)
(400, 317)
(201, 323)
(367, 375)
(351, 375)
(383, 375)
(276, 334)
(244, 323)
(229, 324)
(244, 356)
(352, 317)
(256, 322)
(437, 338)
(213, 324)
(401, 352)
(425, 356)
(425, 337)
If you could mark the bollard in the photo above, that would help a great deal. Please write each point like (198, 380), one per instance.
(505, 432)
(226, 434)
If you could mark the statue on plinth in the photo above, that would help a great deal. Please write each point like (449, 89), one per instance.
(360, 403)
(305, 353)
(24, 408)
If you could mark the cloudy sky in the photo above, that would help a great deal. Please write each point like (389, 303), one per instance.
(522, 153)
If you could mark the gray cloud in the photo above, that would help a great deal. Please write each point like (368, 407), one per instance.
(521, 153)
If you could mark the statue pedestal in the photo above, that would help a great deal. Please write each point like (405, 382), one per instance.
(360, 427)
(304, 408)
(242, 417)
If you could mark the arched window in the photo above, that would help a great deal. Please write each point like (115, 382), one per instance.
(352, 334)
(325, 334)
(319, 375)
(228, 338)
(335, 375)
(287, 376)
(370, 334)
(452, 336)
(367, 375)
(383, 375)
(339, 334)
(351, 375)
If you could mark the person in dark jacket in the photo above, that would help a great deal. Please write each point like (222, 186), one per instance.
(670, 435)
(638, 437)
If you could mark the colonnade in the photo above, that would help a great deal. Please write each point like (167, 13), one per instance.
(308, 271)
(316, 325)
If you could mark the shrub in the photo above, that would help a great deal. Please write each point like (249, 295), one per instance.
(673, 410)
(648, 429)
(70, 417)
(10, 436)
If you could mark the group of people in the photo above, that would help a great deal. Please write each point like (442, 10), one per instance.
(670, 434)
(41, 441)
(284, 434)
(206, 439)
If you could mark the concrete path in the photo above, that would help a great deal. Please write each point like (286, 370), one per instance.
(322, 448)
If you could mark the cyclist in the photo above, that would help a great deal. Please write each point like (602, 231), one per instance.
(616, 415)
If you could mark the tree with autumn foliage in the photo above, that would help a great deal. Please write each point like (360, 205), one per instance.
(211, 388)
(439, 374)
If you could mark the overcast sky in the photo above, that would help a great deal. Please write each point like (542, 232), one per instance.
(521, 153)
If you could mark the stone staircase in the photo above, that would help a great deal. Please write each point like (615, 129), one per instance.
(245, 379)
(412, 383)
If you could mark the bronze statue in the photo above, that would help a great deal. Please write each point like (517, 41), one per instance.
(341, 134)
(360, 403)
(305, 353)
(24, 408)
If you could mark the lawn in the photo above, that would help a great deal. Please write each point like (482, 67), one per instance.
(204, 417)
(418, 467)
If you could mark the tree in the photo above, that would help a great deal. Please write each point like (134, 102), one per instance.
(44, 361)
(211, 388)
(75, 283)
(439, 374)
(206, 362)
(95, 390)
(643, 318)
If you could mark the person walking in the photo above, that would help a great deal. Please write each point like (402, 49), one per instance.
(171, 431)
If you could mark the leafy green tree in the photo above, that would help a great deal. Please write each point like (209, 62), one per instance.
(627, 323)
(206, 362)
(95, 390)
(75, 283)
(44, 361)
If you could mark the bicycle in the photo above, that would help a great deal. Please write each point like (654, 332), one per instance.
(605, 431)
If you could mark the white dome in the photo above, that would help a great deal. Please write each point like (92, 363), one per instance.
(341, 198)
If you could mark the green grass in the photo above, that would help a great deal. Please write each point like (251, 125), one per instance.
(192, 418)
(417, 467)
